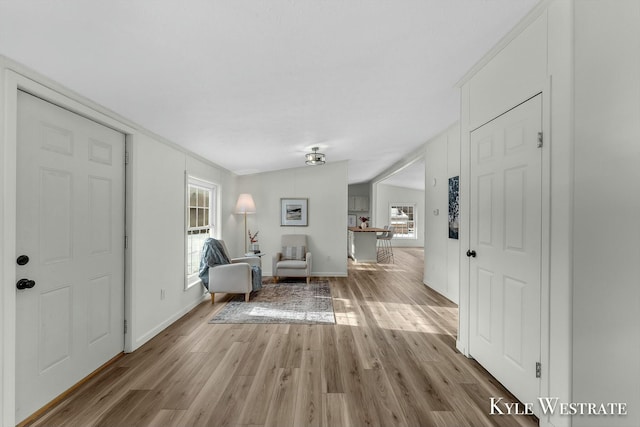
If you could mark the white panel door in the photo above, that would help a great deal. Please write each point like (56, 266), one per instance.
(505, 247)
(70, 224)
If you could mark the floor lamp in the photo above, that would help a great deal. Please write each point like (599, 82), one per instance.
(245, 206)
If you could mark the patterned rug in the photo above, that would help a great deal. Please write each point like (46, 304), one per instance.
(284, 302)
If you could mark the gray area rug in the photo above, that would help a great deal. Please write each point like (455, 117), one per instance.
(292, 302)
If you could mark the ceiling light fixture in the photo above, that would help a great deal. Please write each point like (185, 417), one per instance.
(315, 158)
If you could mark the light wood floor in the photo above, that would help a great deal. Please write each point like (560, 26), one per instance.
(389, 361)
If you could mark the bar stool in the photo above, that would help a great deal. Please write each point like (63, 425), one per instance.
(380, 251)
(385, 249)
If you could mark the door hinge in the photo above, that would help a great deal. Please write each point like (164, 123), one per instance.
(540, 139)
(126, 242)
(125, 326)
(538, 370)
(126, 157)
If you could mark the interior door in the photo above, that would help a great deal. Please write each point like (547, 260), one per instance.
(70, 234)
(505, 247)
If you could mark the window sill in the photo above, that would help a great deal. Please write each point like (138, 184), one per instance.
(192, 281)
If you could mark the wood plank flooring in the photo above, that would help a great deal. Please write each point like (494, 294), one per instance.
(390, 360)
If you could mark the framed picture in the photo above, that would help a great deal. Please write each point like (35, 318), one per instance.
(454, 206)
(293, 212)
(352, 221)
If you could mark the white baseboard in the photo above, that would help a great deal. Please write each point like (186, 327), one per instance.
(461, 348)
(427, 284)
(168, 322)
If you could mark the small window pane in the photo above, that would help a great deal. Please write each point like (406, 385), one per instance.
(200, 218)
(402, 218)
(192, 217)
(195, 243)
(204, 198)
(205, 216)
(193, 196)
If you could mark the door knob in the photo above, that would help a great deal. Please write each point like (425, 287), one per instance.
(22, 260)
(25, 284)
(471, 253)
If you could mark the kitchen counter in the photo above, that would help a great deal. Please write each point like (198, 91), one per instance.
(367, 230)
(363, 243)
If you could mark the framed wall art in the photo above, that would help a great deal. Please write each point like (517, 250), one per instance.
(294, 213)
(454, 206)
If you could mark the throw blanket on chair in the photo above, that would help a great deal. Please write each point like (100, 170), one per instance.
(256, 278)
(213, 254)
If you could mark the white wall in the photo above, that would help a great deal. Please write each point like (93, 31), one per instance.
(606, 287)
(517, 80)
(326, 188)
(157, 237)
(441, 254)
(390, 194)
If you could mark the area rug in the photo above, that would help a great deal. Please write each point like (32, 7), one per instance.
(284, 302)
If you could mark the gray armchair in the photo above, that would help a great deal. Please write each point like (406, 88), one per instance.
(234, 278)
(294, 260)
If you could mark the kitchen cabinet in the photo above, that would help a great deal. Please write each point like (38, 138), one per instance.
(358, 204)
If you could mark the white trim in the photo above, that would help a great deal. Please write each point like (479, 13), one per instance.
(545, 245)
(404, 163)
(444, 294)
(129, 265)
(8, 251)
(464, 326)
(191, 280)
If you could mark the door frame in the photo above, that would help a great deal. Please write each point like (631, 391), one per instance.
(464, 326)
(19, 78)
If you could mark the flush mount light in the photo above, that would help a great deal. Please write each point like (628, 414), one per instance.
(315, 158)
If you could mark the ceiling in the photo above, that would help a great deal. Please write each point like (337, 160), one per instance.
(252, 85)
(412, 176)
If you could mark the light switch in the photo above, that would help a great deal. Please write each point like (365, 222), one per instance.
(436, 212)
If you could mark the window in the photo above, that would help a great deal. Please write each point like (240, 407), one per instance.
(201, 215)
(403, 217)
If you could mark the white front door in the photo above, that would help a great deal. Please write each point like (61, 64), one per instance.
(505, 247)
(70, 225)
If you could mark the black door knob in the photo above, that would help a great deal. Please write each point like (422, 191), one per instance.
(22, 260)
(471, 253)
(25, 284)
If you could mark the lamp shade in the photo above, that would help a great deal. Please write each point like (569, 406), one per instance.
(245, 204)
